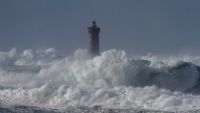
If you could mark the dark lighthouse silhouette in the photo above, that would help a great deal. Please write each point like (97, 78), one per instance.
(93, 44)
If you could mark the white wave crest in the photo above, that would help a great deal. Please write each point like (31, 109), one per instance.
(114, 79)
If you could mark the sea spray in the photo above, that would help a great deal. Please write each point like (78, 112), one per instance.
(113, 80)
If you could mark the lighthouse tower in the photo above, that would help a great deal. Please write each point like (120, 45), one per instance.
(93, 45)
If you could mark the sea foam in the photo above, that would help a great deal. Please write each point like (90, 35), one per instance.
(114, 79)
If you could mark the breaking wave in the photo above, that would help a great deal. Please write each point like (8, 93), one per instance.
(112, 80)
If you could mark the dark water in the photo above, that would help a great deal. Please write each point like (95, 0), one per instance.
(95, 109)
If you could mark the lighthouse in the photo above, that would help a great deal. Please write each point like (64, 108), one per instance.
(93, 39)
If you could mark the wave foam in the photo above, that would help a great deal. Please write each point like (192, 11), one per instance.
(114, 79)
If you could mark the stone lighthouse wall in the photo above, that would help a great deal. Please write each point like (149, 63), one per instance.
(93, 44)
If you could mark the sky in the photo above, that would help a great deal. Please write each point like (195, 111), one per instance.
(163, 27)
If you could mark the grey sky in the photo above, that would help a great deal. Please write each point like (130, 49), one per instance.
(164, 27)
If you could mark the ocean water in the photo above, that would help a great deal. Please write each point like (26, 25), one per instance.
(45, 82)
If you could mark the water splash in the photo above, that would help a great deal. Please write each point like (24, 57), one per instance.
(112, 80)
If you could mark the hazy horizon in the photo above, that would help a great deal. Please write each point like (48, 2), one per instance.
(169, 27)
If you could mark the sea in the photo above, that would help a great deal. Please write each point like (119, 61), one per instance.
(113, 82)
